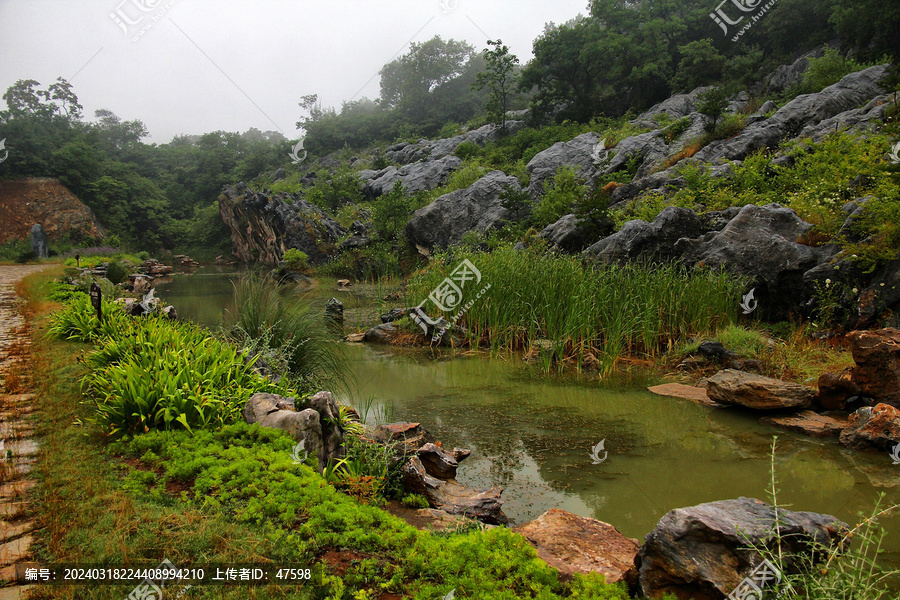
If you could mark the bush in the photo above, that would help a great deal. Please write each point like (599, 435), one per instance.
(266, 316)
(391, 212)
(117, 272)
(296, 260)
(560, 196)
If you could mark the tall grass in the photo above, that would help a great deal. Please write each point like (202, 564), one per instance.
(609, 311)
(287, 328)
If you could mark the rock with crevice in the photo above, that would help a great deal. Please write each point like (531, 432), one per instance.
(579, 545)
(577, 154)
(416, 177)
(877, 357)
(757, 392)
(873, 428)
(453, 497)
(701, 552)
(648, 241)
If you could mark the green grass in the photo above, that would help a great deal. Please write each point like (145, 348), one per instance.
(234, 495)
(608, 311)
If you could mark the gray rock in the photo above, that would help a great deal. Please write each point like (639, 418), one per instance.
(764, 110)
(40, 245)
(577, 154)
(415, 177)
(355, 242)
(334, 309)
(395, 314)
(701, 552)
(405, 153)
(788, 76)
(304, 426)
(570, 234)
(677, 106)
(479, 207)
(170, 312)
(279, 175)
(330, 417)
(648, 241)
(382, 334)
(803, 111)
(647, 148)
(761, 243)
(858, 120)
(749, 390)
(453, 497)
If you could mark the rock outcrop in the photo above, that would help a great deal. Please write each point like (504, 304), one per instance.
(733, 387)
(578, 545)
(701, 552)
(873, 427)
(415, 177)
(479, 207)
(24, 202)
(264, 226)
(877, 370)
(405, 153)
(648, 241)
(453, 497)
(577, 154)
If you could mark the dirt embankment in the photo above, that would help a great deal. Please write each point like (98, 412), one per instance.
(24, 202)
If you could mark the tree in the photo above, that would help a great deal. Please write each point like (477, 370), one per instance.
(712, 103)
(500, 77)
(700, 64)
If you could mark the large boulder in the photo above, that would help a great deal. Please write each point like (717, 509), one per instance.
(579, 545)
(881, 295)
(479, 207)
(648, 241)
(873, 427)
(761, 242)
(849, 93)
(646, 148)
(877, 370)
(405, 153)
(264, 225)
(577, 153)
(701, 552)
(677, 106)
(572, 234)
(330, 418)
(415, 177)
(789, 76)
(453, 497)
(749, 390)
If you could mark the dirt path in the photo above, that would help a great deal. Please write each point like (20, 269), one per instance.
(18, 446)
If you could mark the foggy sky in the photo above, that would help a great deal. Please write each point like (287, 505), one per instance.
(193, 66)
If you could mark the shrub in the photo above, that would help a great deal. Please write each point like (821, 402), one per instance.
(296, 260)
(391, 212)
(264, 314)
(117, 272)
(415, 501)
(559, 197)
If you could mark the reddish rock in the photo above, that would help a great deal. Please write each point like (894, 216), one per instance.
(877, 357)
(757, 392)
(578, 545)
(835, 389)
(24, 202)
(697, 395)
(875, 427)
(809, 423)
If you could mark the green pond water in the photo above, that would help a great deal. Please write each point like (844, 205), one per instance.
(532, 433)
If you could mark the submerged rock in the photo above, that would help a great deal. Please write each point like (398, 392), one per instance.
(757, 392)
(701, 552)
(809, 423)
(578, 545)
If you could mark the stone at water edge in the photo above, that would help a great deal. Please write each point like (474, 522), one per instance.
(329, 415)
(578, 545)
(437, 462)
(382, 334)
(453, 497)
(700, 552)
(697, 395)
(877, 370)
(757, 392)
(835, 389)
(809, 423)
(334, 309)
(873, 427)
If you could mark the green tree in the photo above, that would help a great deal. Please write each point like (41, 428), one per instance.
(500, 77)
(391, 213)
(712, 103)
(700, 64)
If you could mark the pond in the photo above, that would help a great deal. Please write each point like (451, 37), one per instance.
(533, 434)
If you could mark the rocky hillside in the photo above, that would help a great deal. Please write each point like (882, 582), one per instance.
(24, 202)
(768, 244)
